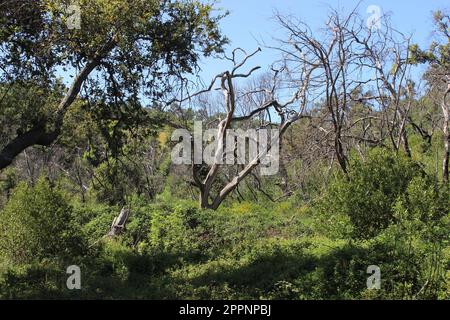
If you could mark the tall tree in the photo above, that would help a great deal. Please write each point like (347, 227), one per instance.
(119, 53)
(438, 75)
(246, 106)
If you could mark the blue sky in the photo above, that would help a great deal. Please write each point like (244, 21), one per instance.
(250, 21)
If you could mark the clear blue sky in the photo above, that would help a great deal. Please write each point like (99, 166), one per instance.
(250, 21)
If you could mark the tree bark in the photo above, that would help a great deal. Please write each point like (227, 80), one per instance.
(35, 136)
(39, 134)
(445, 111)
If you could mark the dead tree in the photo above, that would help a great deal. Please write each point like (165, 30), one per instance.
(355, 66)
(331, 56)
(384, 52)
(285, 113)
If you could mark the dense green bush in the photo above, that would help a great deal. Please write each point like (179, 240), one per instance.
(38, 280)
(403, 214)
(37, 223)
(421, 234)
(360, 204)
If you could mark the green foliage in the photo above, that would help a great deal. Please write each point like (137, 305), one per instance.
(37, 223)
(172, 250)
(95, 219)
(136, 48)
(38, 280)
(421, 230)
(170, 231)
(438, 53)
(173, 32)
(8, 181)
(111, 183)
(360, 204)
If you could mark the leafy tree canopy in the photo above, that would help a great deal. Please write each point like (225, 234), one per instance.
(123, 54)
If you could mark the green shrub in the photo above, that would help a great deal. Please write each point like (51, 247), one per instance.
(421, 234)
(360, 204)
(37, 223)
(38, 280)
(171, 230)
(95, 220)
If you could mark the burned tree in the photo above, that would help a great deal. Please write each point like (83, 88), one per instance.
(331, 58)
(384, 53)
(361, 78)
(267, 112)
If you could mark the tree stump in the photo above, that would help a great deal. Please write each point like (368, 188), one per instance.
(118, 224)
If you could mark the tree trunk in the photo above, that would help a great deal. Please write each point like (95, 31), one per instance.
(445, 161)
(284, 184)
(204, 202)
(35, 136)
(38, 135)
(340, 155)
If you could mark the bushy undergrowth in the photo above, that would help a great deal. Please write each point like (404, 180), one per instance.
(387, 213)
